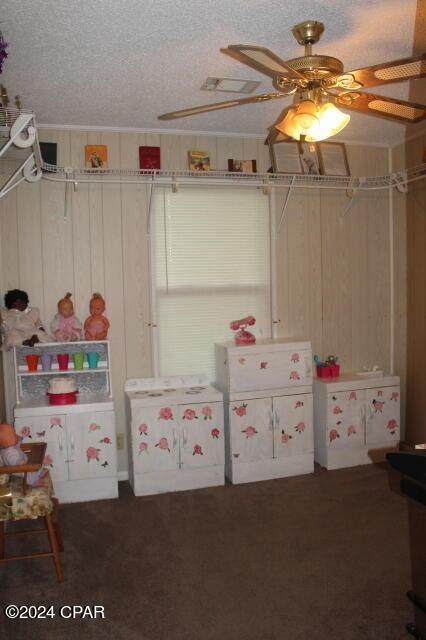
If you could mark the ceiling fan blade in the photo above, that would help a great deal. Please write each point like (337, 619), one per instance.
(262, 60)
(387, 72)
(376, 105)
(220, 105)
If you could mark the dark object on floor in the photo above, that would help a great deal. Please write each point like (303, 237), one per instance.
(412, 464)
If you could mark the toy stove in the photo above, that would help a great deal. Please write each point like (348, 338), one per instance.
(172, 389)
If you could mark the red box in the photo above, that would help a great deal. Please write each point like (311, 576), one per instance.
(323, 372)
(334, 370)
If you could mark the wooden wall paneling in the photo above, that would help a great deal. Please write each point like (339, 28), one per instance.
(57, 233)
(228, 148)
(250, 150)
(263, 157)
(171, 155)
(9, 271)
(135, 263)
(282, 262)
(336, 278)
(113, 267)
(96, 226)
(187, 143)
(80, 231)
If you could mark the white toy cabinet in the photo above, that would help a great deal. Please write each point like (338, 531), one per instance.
(81, 452)
(176, 434)
(268, 408)
(354, 416)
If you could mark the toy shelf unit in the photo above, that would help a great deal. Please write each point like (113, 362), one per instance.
(268, 408)
(175, 433)
(81, 440)
(357, 419)
(89, 381)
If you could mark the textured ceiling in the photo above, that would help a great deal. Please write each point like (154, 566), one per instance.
(122, 63)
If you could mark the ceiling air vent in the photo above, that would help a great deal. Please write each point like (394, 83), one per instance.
(230, 85)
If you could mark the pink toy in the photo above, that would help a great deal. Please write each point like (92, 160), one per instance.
(242, 336)
(96, 325)
(11, 453)
(65, 326)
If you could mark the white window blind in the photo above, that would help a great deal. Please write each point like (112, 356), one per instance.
(211, 265)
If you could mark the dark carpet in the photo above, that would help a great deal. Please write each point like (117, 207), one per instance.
(316, 557)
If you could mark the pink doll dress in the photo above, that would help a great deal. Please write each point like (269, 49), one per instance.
(66, 329)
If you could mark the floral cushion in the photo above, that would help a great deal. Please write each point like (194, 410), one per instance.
(37, 501)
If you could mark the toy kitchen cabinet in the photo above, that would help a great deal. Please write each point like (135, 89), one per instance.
(268, 408)
(176, 434)
(81, 440)
(357, 419)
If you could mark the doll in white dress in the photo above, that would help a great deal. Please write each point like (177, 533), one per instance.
(65, 326)
(21, 324)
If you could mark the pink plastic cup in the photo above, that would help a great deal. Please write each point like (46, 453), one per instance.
(63, 361)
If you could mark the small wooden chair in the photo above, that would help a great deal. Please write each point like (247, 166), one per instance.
(18, 501)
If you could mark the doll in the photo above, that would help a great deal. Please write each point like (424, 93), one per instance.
(65, 326)
(11, 453)
(96, 325)
(21, 324)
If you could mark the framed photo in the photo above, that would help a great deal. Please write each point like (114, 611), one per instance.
(285, 157)
(96, 156)
(309, 158)
(333, 159)
(242, 166)
(49, 152)
(149, 158)
(198, 161)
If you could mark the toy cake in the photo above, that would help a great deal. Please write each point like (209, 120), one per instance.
(62, 385)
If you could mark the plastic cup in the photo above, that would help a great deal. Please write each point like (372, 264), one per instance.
(92, 359)
(78, 359)
(46, 361)
(63, 359)
(32, 361)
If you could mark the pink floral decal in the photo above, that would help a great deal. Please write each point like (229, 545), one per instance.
(249, 431)
(41, 434)
(197, 450)
(26, 432)
(263, 365)
(294, 375)
(295, 357)
(351, 430)
(285, 437)
(241, 410)
(93, 426)
(378, 406)
(207, 413)
(333, 435)
(165, 414)
(380, 393)
(143, 429)
(143, 446)
(299, 404)
(300, 427)
(105, 440)
(189, 414)
(215, 433)
(55, 422)
(92, 454)
(163, 444)
(395, 396)
(337, 410)
(48, 460)
(392, 426)
(242, 361)
(352, 395)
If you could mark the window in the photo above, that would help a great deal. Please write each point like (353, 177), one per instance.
(210, 265)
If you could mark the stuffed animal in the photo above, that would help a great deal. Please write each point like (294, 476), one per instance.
(11, 453)
(65, 326)
(21, 324)
(96, 325)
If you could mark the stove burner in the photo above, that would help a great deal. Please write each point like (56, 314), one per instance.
(154, 395)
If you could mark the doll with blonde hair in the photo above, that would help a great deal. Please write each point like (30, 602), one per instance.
(96, 325)
(65, 326)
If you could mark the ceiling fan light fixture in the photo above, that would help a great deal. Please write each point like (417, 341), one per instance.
(331, 122)
(306, 116)
(287, 125)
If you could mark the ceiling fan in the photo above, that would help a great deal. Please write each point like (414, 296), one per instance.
(319, 85)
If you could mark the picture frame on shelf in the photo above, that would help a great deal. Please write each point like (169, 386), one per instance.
(285, 157)
(96, 156)
(309, 158)
(198, 160)
(49, 152)
(333, 159)
(149, 158)
(242, 166)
